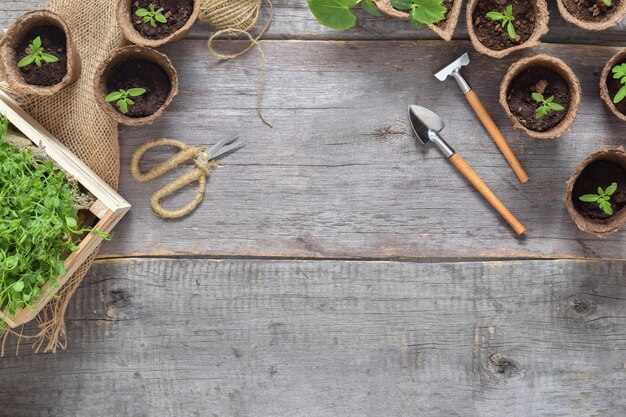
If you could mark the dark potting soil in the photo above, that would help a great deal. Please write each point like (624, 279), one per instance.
(54, 42)
(491, 33)
(614, 85)
(546, 82)
(600, 173)
(591, 10)
(177, 13)
(138, 73)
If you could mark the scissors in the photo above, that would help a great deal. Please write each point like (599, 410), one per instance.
(202, 157)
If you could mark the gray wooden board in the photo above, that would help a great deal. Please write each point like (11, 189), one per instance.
(340, 174)
(293, 20)
(320, 338)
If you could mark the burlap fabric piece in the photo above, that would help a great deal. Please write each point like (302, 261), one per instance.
(74, 118)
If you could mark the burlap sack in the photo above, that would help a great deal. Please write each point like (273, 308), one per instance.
(129, 31)
(564, 71)
(73, 116)
(613, 20)
(597, 227)
(445, 33)
(108, 65)
(619, 57)
(541, 28)
(8, 58)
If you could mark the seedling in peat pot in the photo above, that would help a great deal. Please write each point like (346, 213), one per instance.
(152, 15)
(36, 54)
(506, 18)
(122, 99)
(602, 198)
(422, 12)
(619, 72)
(546, 105)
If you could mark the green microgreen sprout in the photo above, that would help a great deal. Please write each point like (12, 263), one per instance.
(122, 99)
(603, 198)
(337, 14)
(608, 3)
(38, 223)
(152, 15)
(36, 54)
(619, 73)
(506, 18)
(546, 105)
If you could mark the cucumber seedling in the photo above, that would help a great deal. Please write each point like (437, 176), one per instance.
(122, 98)
(603, 198)
(36, 54)
(506, 18)
(546, 105)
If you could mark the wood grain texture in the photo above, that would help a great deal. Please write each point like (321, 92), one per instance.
(340, 174)
(293, 20)
(322, 338)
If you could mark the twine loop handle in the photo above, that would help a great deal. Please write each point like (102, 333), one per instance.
(188, 153)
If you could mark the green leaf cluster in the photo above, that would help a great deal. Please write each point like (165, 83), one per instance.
(422, 12)
(506, 18)
(151, 15)
(546, 105)
(619, 73)
(337, 14)
(36, 54)
(603, 198)
(37, 221)
(122, 98)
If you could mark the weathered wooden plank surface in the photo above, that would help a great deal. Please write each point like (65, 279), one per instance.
(320, 338)
(293, 20)
(340, 174)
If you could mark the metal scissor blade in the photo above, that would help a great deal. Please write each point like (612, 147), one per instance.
(214, 150)
(227, 149)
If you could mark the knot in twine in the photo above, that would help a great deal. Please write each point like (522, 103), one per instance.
(201, 172)
(237, 17)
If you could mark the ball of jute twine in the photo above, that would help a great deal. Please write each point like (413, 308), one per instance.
(237, 18)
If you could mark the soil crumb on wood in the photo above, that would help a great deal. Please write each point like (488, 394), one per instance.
(137, 73)
(544, 81)
(177, 13)
(491, 33)
(54, 42)
(591, 10)
(600, 173)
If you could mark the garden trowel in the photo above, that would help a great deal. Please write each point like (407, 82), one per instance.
(454, 70)
(427, 126)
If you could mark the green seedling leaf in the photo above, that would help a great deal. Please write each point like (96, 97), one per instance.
(427, 12)
(18, 286)
(546, 105)
(49, 57)
(136, 92)
(370, 7)
(122, 99)
(401, 4)
(506, 18)
(603, 198)
(336, 14)
(37, 42)
(619, 96)
(608, 3)
(114, 96)
(619, 72)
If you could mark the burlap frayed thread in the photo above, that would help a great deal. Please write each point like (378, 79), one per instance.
(199, 174)
(73, 116)
(237, 18)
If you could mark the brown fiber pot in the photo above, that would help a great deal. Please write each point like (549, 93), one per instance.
(445, 33)
(564, 71)
(131, 34)
(597, 227)
(614, 19)
(604, 91)
(8, 58)
(119, 56)
(541, 28)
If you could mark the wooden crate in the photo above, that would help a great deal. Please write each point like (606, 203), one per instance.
(109, 206)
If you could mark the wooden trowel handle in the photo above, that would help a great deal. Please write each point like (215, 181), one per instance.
(496, 135)
(482, 188)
